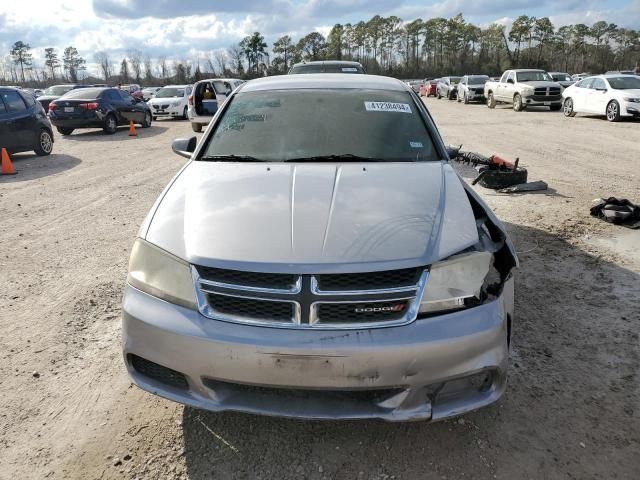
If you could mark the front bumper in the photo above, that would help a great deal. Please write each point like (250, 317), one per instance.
(427, 370)
(632, 108)
(541, 102)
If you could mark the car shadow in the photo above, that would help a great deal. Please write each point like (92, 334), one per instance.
(31, 166)
(123, 132)
(573, 385)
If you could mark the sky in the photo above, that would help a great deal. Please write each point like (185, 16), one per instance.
(188, 29)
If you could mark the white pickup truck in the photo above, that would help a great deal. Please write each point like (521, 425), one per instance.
(524, 88)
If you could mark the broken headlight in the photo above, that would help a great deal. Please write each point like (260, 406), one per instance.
(456, 282)
(158, 273)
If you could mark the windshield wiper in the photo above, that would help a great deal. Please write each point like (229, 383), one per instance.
(230, 158)
(345, 157)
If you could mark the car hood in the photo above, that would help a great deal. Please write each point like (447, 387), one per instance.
(632, 92)
(165, 99)
(476, 85)
(313, 218)
(541, 83)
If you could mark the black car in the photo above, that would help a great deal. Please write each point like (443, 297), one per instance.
(327, 66)
(56, 91)
(24, 125)
(104, 108)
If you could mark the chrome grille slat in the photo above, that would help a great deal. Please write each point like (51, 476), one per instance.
(305, 305)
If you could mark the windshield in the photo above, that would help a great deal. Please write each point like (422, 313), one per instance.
(624, 83)
(533, 76)
(561, 77)
(170, 92)
(284, 125)
(454, 80)
(59, 90)
(478, 80)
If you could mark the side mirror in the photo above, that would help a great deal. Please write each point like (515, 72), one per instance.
(184, 146)
(453, 152)
(510, 80)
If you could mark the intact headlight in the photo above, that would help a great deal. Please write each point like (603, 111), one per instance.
(528, 90)
(161, 274)
(632, 99)
(454, 281)
(175, 104)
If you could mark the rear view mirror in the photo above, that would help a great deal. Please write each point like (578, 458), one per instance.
(184, 146)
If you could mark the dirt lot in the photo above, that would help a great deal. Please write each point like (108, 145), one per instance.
(572, 409)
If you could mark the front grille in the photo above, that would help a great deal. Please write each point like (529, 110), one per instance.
(280, 281)
(158, 372)
(546, 91)
(346, 300)
(251, 308)
(369, 281)
(333, 313)
(480, 91)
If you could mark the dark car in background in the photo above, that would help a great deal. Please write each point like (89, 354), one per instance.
(104, 108)
(564, 79)
(54, 92)
(447, 87)
(327, 66)
(24, 125)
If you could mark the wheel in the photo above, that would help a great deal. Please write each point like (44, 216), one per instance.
(110, 125)
(517, 102)
(491, 101)
(146, 123)
(45, 143)
(613, 111)
(568, 108)
(184, 113)
(64, 131)
(466, 99)
(438, 96)
(196, 127)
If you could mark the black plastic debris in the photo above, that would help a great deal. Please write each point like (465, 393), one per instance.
(526, 187)
(495, 172)
(618, 211)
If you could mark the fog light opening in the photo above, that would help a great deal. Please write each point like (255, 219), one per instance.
(158, 373)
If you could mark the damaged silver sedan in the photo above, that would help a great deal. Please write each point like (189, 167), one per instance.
(318, 257)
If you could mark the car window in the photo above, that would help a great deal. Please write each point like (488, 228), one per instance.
(586, 83)
(13, 101)
(3, 109)
(277, 125)
(624, 83)
(113, 95)
(83, 93)
(219, 86)
(126, 96)
(533, 76)
(598, 84)
(31, 101)
(170, 92)
(477, 80)
(504, 77)
(512, 76)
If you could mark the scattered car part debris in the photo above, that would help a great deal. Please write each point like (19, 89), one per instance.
(526, 187)
(618, 211)
(495, 172)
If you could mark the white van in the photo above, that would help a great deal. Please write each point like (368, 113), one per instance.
(206, 97)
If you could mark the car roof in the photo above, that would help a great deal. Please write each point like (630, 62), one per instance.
(175, 86)
(325, 80)
(330, 62)
(527, 70)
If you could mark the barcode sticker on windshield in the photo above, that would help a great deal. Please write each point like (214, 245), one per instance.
(387, 107)
(349, 69)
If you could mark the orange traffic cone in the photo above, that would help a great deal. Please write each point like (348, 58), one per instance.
(7, 166)
(132, 129)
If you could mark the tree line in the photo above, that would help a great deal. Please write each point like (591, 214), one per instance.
(384, 45)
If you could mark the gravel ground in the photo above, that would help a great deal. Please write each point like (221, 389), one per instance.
(572, 408)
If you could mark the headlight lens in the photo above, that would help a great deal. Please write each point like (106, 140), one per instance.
(161, 274)
(452, 281)
(632, 99)
(175, 104)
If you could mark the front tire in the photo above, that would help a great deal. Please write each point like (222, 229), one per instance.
(438, 96)
(491, 101)
(568, 108)
(466, 99)
(517, 102)
(146, 123)
(196, 127)
(45, 143)
(110, 125)
(184, 114)
(613, 111)
(64, 131)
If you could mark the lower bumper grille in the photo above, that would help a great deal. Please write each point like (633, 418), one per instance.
(158, 372)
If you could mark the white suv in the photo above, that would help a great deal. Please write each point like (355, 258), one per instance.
(170, 101)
